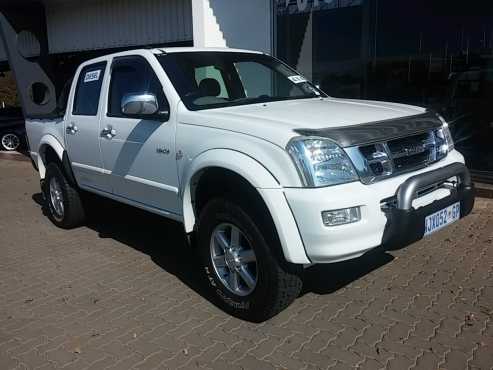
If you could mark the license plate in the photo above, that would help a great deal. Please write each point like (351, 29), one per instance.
(442, 218)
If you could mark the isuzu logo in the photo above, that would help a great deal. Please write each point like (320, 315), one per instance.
(410, 150)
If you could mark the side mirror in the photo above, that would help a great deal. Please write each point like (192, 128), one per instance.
(143, 106)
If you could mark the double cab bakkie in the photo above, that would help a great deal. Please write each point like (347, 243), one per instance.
(266, 172)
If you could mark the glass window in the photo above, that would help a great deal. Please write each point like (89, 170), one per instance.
(133, 75)
(322, 40)
(256, 78)
(88, 90)
(208, 80)
(211, 72)
(436, 54)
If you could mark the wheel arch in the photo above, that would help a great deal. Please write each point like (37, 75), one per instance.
(225, 159)
(238, 168)
(51, 150)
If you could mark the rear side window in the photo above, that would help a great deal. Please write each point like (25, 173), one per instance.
(86, 100)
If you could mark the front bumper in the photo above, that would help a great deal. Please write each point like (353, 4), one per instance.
(379, 224)
(405, 224)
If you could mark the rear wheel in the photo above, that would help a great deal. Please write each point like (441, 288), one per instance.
(63, 201)
(246, 276)
(10, 141)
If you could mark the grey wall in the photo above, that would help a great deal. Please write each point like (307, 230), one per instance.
(244, 24)
(102, 24)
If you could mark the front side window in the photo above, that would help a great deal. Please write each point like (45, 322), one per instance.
(206, 80)
(88, 90)
(133, 75)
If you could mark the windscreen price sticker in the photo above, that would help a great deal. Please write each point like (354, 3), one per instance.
(297, 79)
(92, 76)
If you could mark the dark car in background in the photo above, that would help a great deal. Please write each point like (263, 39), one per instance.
(12, 129)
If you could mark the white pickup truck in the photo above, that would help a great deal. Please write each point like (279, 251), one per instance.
(265, 171)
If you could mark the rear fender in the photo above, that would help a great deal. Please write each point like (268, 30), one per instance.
(48, 141)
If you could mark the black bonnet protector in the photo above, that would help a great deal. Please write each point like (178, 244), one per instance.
(378, 131)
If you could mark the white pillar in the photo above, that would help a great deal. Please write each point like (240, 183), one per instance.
(243, 24)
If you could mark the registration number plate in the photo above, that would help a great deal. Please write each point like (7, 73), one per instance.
(442, 218)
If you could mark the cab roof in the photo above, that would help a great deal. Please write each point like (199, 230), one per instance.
(195, 49)
(161, 51)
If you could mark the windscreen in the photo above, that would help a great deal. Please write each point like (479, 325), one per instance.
(206, 80)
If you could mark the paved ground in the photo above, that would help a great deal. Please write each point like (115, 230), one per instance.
(124, 293)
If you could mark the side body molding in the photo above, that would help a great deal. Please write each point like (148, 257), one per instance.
(259, 177)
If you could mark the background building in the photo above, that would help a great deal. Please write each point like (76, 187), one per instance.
(437, 53)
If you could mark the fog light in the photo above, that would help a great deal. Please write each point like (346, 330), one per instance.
(341, 216)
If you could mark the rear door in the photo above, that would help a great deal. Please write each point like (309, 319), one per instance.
(82, 129)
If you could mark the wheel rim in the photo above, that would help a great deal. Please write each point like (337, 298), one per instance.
(10, 141)
(233, 259)
(56, 199)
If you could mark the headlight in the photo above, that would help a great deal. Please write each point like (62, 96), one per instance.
(321, 162)
(446, 135)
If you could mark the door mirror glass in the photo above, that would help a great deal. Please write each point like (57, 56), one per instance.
(139, 105)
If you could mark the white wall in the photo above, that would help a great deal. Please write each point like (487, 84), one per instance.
(78, 25)
(244, 24)
(87, 25)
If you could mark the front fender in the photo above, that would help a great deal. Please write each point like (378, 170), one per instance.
(259, 177)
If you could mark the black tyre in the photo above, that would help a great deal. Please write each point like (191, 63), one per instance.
(241, 256)
(10, 141)
(64, 205)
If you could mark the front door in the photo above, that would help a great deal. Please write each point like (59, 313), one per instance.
(82, 129)
(139, 153)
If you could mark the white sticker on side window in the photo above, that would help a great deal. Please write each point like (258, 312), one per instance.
(297, 79)
(92, 76)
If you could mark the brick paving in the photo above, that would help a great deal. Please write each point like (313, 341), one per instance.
(125, 293)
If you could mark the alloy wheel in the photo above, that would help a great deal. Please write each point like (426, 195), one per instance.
(10, 142)
(56, 198)
(233, 259)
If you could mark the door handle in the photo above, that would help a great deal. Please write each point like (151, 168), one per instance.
(108, 132)
(71, 129)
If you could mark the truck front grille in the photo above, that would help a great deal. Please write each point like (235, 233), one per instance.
(377, 161)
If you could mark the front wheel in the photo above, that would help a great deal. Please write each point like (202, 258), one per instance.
(247, 277)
